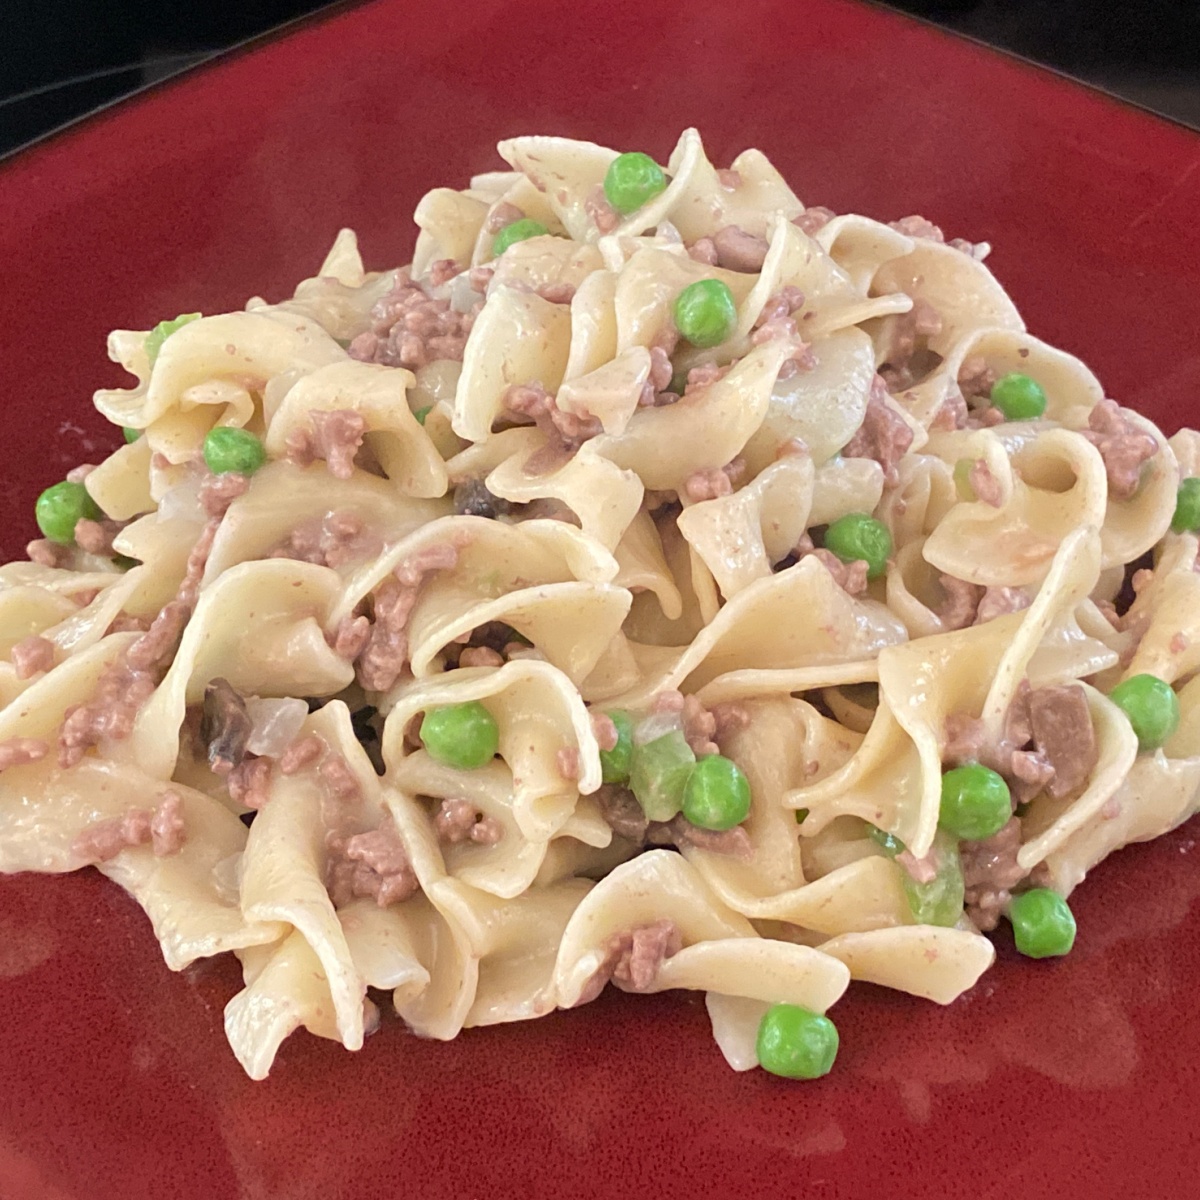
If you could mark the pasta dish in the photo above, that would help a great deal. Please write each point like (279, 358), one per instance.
(658, 582)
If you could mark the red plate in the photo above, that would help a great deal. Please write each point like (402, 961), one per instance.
(1067, 1079)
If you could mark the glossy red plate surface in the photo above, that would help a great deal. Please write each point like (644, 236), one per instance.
(1068, 1079)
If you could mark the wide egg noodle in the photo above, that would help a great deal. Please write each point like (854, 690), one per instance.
(378, 395)
(930, 961)
(740, 537)
(284, 863)
(261, 627)
(207, 372)
(822, 407)
(544, 262)
(753, 631)
(543, 578)
(604, 496)
(772, 884)
(45, 809)
(283, 497)
(538, 713)
(1055, 485)
(963, 291)
(519, 338)
(449, 224)
(832, 300)
(507, 867)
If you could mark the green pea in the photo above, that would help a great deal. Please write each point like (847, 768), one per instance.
(975, 802)
(1187, 507)
(1018, 397)
(227, 449)
(162, 331)
(422, 413)
(859, 536)
(717, 795)
(461, 735)
(962, 479)
(940, 901)
(60, 506)
(615, 763)
(705, 312)
(1151, 706)
(631, 180)
(1043, 924)
(659, 773)
(796, 1042)
(517, 231)
(131, 434)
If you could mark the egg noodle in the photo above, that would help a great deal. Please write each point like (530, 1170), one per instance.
(509, 557)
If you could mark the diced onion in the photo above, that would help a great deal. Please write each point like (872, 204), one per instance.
(276, 724)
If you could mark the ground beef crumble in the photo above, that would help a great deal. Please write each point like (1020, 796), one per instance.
(46, 553)
(1122, 445)
(814, 219)
(565, 432)
(711, 483)
(409, 328)
(334, 540)
(32, 655)
(603, 215)
(335, 436)
(907, 333)
(632, 958)
(972, 604)
(737, 250)
(372, 864)
(625, 817)
(163, 829)
(990, 872)
(458, 820)
(20, 751)
(1048, 741)
(777, 321)
(385, 654)
(884, 435)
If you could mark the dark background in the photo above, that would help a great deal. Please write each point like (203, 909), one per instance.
(62, 58)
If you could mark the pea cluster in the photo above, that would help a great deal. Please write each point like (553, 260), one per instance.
(666, 777)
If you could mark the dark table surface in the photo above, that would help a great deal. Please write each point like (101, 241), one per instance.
(65, 58)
